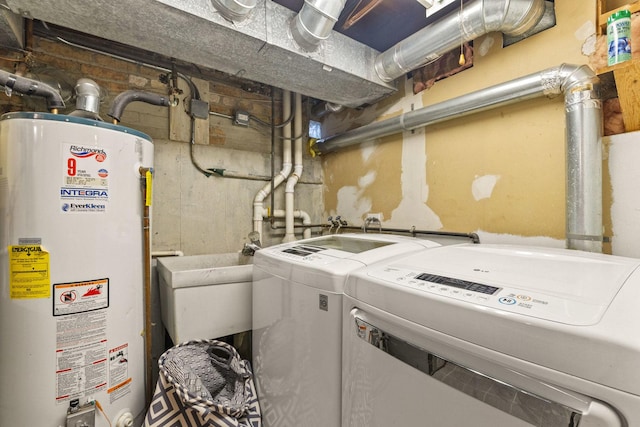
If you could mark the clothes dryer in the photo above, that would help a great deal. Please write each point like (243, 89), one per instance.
(297, 322)
(490, 335)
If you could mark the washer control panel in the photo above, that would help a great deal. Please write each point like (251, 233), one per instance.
(309, 254)
(527, 302)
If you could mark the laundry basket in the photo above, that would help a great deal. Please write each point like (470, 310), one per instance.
(204, 383)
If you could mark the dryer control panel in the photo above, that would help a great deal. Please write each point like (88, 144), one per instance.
(507, 298)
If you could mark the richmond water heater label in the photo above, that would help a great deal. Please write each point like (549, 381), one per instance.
(29, 272)
(85, 184)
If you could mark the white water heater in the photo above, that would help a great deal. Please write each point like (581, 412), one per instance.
(72, 271)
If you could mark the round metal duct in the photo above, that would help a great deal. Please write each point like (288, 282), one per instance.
(234, 10)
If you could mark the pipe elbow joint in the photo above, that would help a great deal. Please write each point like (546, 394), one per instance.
(291, 183)
(580, 77)
(125, 98)
(517, 16)
(32, 87)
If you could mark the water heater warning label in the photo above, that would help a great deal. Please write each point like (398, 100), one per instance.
(81, 355)
(119, 379)
(29, 272)
(80, 297)
(85, 183)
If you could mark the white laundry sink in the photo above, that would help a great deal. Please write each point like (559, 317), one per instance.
(205, 296)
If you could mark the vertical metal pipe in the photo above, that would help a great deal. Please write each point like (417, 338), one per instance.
(584, 168)
(145, 174)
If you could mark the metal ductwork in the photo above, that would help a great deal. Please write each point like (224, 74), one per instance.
(234, 10)
(583, 137)
(315, 21)
(477, 17)
(11, 30)
(260, 48)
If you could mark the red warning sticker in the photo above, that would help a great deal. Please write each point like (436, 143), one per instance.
(80, 297)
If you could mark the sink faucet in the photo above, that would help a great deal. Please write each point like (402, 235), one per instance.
(254, 245)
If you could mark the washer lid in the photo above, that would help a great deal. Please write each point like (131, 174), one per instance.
(570, 287)
(324, 262)
(570, 311)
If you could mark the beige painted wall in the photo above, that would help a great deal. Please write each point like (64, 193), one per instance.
(500, 173)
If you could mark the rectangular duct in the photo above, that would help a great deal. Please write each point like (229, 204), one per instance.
(11, 29)
(260, 48)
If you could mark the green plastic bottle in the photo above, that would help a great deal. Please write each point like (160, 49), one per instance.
(619, 37)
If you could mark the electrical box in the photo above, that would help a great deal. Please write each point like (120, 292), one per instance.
(242, 118)
(199, 109)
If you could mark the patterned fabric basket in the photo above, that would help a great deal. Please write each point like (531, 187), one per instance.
(204, 383)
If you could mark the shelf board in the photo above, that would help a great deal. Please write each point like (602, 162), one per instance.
(603, 16)
(627, 78)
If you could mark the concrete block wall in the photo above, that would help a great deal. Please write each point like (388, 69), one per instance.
(191, 213)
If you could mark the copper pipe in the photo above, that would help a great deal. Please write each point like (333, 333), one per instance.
(146, 227)
(355, 17)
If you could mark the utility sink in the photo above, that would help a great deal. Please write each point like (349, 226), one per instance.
(205, 296)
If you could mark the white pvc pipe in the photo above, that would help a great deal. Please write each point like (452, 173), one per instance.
(259, 212)
(297, 214)
(295, 176)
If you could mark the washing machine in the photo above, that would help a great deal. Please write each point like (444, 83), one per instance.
(297, 322)
(491, 335)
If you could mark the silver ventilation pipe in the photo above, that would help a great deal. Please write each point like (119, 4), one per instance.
(477, 17)
(234, 10)
(315, 21)
(87, 100)
(583, 137)
(323, 108)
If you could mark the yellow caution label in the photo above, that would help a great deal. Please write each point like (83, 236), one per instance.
(29, 272)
